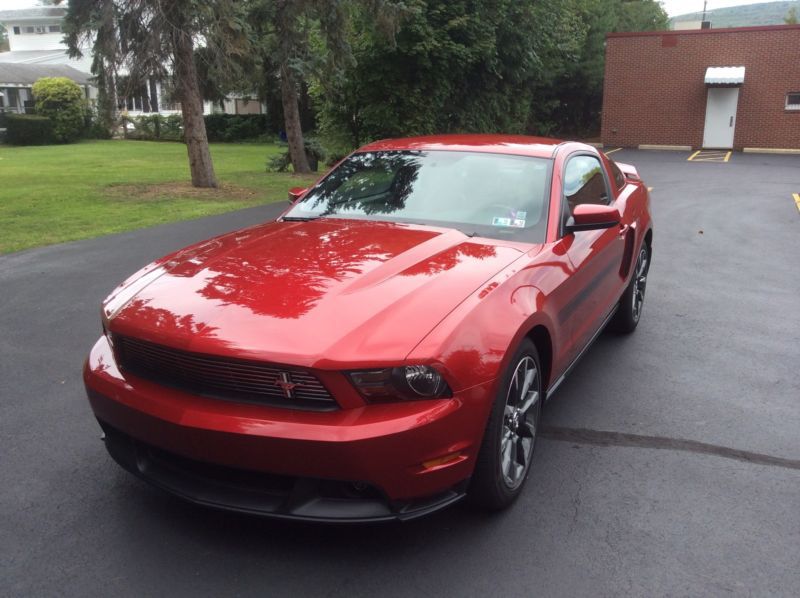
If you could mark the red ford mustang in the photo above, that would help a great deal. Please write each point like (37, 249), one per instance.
(385, 346)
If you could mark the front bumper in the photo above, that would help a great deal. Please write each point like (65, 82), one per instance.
(267, 495)
(193, 446)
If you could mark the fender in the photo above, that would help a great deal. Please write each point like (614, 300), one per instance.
(475, 342)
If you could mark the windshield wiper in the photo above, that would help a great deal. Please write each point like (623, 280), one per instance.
(300, 218)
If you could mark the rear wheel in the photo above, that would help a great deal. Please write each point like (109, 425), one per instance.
(630, 306)
(510, 437)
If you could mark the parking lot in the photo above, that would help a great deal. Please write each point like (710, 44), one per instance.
(671, 464)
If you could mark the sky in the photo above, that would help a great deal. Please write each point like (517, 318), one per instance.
(673, 7)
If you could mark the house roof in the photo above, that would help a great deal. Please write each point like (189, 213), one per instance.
(28, 74)
(40, 12)
(32, 56)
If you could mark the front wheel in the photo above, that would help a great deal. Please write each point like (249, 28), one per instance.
(630, 306)
(510, 437)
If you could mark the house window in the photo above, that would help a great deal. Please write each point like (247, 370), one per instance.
(16, 30)
(54, 28)
(30, 29)
(793, 100)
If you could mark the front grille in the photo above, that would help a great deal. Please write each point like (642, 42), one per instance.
(220, 377)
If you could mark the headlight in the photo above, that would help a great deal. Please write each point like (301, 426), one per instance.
(406, 382)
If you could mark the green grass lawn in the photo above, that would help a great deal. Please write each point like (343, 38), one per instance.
(61, 193)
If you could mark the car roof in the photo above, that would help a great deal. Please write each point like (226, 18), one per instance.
(540, 147)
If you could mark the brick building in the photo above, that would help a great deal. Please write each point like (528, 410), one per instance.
(678, 88)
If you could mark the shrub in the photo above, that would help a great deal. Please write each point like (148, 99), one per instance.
(28, 129)
(95, 128)
(156, 127)
(314, 152)
(235, 127)
(62, 101)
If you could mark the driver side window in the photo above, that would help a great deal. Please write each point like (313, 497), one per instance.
(583, 183)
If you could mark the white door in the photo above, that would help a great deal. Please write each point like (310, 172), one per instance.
(720, 117)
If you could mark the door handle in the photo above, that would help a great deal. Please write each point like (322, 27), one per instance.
(730, 124)
(623, 229)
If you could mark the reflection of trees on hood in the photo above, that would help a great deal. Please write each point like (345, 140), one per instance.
(289, 278)
(451, 258)
(166, 321)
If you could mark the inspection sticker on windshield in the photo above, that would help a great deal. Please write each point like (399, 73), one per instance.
(517, 221)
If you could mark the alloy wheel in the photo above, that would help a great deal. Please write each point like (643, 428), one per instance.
(639, 283)
(520, 422)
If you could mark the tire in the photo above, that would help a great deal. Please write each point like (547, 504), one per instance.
(629, 310)
(509, 440)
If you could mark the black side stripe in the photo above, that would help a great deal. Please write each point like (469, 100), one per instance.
(574, 304)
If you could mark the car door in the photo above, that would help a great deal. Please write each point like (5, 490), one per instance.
(596, 255)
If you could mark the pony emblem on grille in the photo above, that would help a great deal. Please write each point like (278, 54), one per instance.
(284, 380)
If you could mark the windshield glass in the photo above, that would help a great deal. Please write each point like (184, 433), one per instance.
(491, 195)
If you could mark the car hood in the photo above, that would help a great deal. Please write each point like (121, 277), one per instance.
(316, 293)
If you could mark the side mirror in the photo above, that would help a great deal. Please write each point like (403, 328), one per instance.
(296, 193)
(588, 216)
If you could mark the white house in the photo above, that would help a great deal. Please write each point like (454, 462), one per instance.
(36, 38)
(17, 79)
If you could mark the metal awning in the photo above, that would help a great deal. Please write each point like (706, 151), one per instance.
(725, 75)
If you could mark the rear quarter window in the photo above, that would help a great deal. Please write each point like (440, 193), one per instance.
(619, 178)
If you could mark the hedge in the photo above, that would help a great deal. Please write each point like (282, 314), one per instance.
(156, 127)
(236, 127)
(28, 129)
(219, 127)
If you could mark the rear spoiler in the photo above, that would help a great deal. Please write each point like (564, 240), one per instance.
(629, 171)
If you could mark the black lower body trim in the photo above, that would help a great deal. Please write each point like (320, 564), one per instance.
(554, 387)
(263, 494)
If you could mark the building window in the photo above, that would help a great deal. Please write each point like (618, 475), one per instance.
(793, 100)
(16, 30)
(29, 29)
(54, 28)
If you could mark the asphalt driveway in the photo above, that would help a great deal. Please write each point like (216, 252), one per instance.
(672, 465)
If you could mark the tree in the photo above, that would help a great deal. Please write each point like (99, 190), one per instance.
(146, 36)
(297, 39)
(478, 66)
(453, 66)
(62, 101)
(791, 17)
(575, 96)
(281, 31)
(98, 21)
